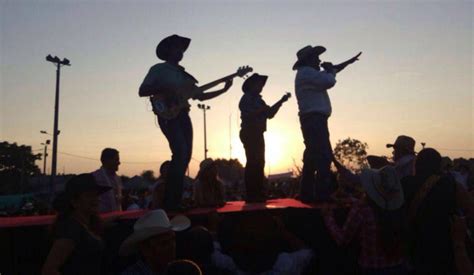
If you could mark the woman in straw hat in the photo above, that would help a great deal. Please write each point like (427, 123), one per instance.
(77, 246)
(376, 222)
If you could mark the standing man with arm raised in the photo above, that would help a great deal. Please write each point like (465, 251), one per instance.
(311, 85)
(170, 81)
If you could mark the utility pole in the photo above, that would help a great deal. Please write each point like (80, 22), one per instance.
(204, 107)
(46, 143)
(58, 63)
(230, 137)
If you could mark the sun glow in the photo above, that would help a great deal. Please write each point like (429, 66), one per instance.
(277, 152)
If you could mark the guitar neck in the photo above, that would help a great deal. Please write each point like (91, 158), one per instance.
(216, 82)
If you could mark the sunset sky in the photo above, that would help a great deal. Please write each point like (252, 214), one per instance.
(415, 76)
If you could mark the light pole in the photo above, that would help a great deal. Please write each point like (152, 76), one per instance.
(46, 143)
(204, 107)
(58, 63)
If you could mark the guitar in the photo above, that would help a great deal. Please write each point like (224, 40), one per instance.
(168, 105)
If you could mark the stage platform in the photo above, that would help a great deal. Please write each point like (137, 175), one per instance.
(229, 207)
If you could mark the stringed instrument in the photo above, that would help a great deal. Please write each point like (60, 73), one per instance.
(169, 105)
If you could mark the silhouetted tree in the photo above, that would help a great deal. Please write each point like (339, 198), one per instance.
(352, 153)
(17, 164)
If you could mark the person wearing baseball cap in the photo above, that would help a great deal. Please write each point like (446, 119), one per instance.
(311, 85)
(154, 240)
(77, 247)
(404, 155)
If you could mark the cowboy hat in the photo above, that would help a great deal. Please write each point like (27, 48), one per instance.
(151, 224)
(383, 187)
(173, 41)
(255, 79)
(307, 52)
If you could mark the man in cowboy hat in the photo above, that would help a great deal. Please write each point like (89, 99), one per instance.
(404, 155)
(153, 238)
(254, 113)
(311, 85)
(171, 80)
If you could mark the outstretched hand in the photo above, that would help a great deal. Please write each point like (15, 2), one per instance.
(355, 58)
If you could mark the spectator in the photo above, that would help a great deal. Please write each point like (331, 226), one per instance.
(158, 188)
(199, 249)
(432, 199)
(376, 222)
(107, 176)
(153, 238)
(404, 155)
(77, 246)
(208, 189)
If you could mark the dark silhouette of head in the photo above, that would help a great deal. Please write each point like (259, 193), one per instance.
(309, 56)
(199, 246)
(172, 48)
(110, 159)
(207, 170)
(403, 145)
(183, 267)
(428, 162)
(254, 84)
(164, 168)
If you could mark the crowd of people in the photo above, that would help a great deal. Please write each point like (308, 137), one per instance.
(406, 219)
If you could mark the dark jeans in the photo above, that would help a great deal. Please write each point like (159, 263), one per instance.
(179, 132)
(317, 157)
(254, 145)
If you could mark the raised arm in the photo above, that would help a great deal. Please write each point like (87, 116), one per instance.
(274, 109)
(343, 65)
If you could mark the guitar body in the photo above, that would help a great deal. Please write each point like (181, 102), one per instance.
(169, 105)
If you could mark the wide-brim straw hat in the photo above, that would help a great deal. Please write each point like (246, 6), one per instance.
(383, 187)
(151, 224)
(307, 51)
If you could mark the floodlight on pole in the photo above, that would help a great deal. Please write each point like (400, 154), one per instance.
(58, 63)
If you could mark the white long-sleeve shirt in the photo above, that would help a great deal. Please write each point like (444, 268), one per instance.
(311, 88)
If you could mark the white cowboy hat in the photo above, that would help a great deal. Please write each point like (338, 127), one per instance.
(383, 187)
(153, 223)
